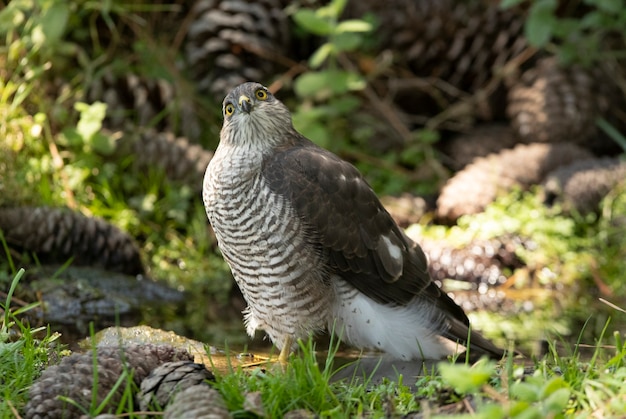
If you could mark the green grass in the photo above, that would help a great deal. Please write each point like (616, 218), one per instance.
(555, 385)
(307, 383)
(24, 352)
(552, 386)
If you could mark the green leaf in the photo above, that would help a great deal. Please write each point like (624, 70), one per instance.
(564, 28)
(347, 41)
(557, 401)
(312, 22)
(309, 84)
(412, 155)
(518, 407)
(344, 81)
(320, 55)
(10, 18)
(568, 53)
(103, 144)
(345, 104)
(524, 391)
(91, 117)
(337, 7)
(353, 26)
(532, 412)
(609, 6)
(427, 136)
(540, 23)
(355, 82)
(69, 137)
(593, 20)
(556, 383)
(492, 411)
(52, 24)
(325, 83)
(464, 378)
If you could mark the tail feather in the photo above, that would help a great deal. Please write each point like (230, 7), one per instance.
(476, 344)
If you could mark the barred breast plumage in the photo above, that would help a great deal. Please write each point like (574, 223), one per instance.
(311, 246)
(280, 276)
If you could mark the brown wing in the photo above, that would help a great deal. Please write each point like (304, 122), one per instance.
(347, 222)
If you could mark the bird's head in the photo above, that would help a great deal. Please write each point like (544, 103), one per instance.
(254, 118)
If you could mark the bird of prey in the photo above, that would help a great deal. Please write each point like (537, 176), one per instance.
(312, 248)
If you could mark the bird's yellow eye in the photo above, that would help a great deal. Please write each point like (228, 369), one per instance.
(261, 94)
(229, 109)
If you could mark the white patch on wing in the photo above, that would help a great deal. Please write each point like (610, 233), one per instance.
(399, 331)
(394, 250)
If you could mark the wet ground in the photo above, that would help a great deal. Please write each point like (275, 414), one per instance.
(348, 364)
(73, 298)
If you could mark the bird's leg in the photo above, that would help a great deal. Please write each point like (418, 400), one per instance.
(283, 358)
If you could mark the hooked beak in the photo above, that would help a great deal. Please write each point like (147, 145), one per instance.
(245, 103)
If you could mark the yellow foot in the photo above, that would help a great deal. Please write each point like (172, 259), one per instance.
(253, 360)
(283, 358)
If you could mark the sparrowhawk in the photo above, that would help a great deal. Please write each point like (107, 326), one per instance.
(311, 246)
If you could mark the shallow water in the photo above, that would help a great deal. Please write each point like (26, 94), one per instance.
(538, 323)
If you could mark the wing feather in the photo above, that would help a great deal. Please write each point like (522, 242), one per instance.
(347, 222)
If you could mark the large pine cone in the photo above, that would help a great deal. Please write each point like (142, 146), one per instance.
(58, 234)
(480, 141)
(146, 102)
(581, 185)
(550, 103)
(181, 160)
(197, 402)
(74, 378)
(168, 379)
(478, 185)
(462, 44)
(232, 41)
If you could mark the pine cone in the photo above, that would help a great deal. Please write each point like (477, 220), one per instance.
(74, 378)
(151, 103)
(554, 104)
(57, 234)
(232, 41)
(480, 141)
(463, 44)
(482, 262)
(583, 184)
(197, 402)
(180, 160)
(492, 300)
(476, 186)
(168, 379)
(253, 403)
